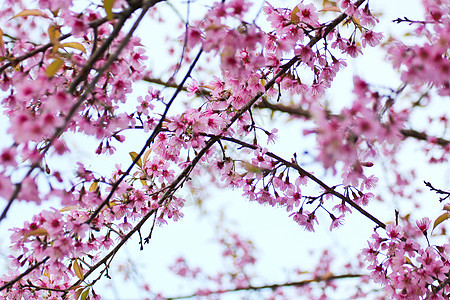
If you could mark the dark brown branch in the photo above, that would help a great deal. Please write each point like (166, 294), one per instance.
(26, 272)
(200, 92)
(14, 61)
(275, 286)
(303, 172)
(438, 191)
(300, 112)
(423, 136)
(405, 19)
(164, 83)
(292, 110)
(442, 285)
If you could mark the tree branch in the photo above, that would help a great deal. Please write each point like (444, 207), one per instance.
(273, 286)
(300, 112)
(26, 272)
(303, 172)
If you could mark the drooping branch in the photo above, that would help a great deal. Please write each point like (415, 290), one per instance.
(299, 112)
(303, 172)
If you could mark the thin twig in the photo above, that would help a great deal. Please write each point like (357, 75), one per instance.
(26, 272)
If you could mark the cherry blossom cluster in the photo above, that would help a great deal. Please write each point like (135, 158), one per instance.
(68, 71)
(426, 64)
(407, 269)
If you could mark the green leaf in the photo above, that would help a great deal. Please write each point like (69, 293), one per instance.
(441, 219)
(93, 187)
(133, 156)
(54, 67)
(251, 168)
(29, 12)
(74, 45)
(108, 5)
(35, 232)
(77, 269)
(85, 294)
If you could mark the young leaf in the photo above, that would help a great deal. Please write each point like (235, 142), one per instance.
(68, 208)
(77, 269)
(78, 293)
(54, 67)
(146, 154)
(408, 260)
(74, 45)
(328, 2)
(39, 231)
(441, 219)
(54, 33)
(47, 274)
(294, 18)
(331, 8)
(29, 12)
(133, 156)
(251, 168)
(2, 43)
(93, 187)
(85, 294)
(108, 5)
